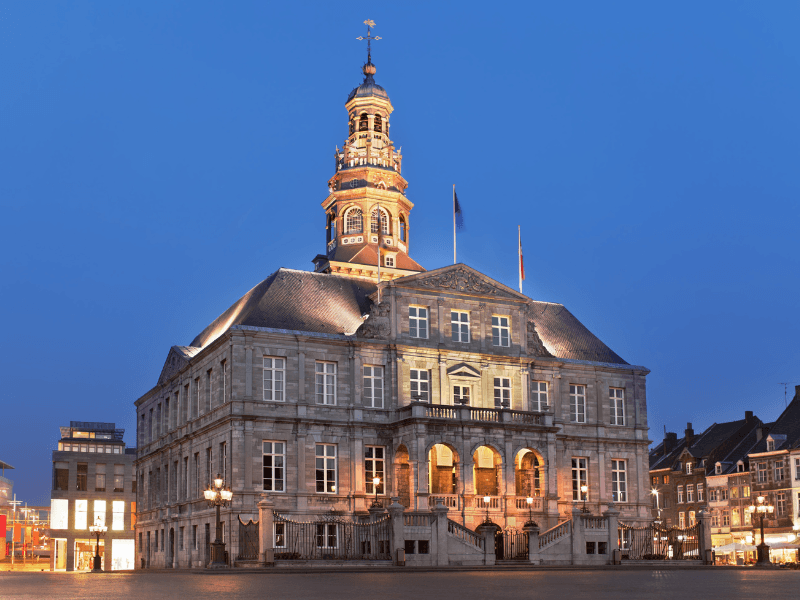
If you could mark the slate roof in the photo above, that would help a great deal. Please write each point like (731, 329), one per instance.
(703, 446)
(367, 254)
(787, 424)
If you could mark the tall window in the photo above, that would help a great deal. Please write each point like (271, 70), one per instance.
(780, 504)
(502, 392)
(689, 467)
(779, 473)
(501, 331)
(118, 515)
(619, 481)
(374, 467)
(699, 492)
(736, 520)
(326, 468)
(352, 221)
(196, 474)
(617, 399)
(459, 324)
(726, 518)
(363, 122)
(274, 377)
(577, 403)
(223, 462)
(377, 124)
(690, 492)
(100, 478)
(224, 391)
(461, 394)
(99, 512)
(539, 400)
(209, 467)
(326, 382)
(580, 477)
(326, 535)
(185, 487)
(83, 476)
(691, 518)
(761, 472)
(418, 322)
(197, 397)
(81, 509)
(681, 520)
(402, 228)
(420, 385)
(373, 386)
(680, 494)
(273, 460)
(383, 227)
(209, 390)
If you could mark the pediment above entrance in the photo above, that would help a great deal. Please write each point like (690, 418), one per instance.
(460, 279)
(463, 370)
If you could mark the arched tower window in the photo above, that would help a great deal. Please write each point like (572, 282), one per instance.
(378, 124)
(353, 221)
(331, 226)
(352, 126)
(363, 123)
(402, 228)
(384, 220)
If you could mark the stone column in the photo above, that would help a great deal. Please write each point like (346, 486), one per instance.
(578, 536)
(612, 522)
(439, 533)
(532, 529)
(705, 547)
(488, 530)
(266, 552)
(398, 542)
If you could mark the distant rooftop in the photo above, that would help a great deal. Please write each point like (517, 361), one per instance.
(92, 430)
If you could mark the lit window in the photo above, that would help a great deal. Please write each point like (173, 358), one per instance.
(691, 518)
(780, 504)
(617, 400)
(736, 520)
(681, 520)
(619, 481)
(389, 261)
(272, 462)
(420, 382)
(699, 492)
(688, 467)
(326, 468)
(690, 493)
(99, 513)
(418, 322)
(580, 477)
(502, 392)
(59, 513)
(384, 222)
(459, 324)
(461, 394)
(118, 515)
(501, 331)
(274, 378)
(680, 494)
(577, 403)
(539, 401)
(374, 467)
(373, 386)
(352, 221)
(326, 382)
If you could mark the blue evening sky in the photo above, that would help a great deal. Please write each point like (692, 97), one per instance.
(158, 159)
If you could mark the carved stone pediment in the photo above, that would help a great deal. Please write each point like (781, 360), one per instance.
(174, 363)
(463, 370)
(461, 279)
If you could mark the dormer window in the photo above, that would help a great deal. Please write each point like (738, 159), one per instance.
(770, 444)
(740, 467)
(718, 469)
(688, 468)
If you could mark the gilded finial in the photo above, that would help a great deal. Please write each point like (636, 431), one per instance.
(370, 24)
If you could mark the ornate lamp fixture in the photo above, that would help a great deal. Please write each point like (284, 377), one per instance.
(762, 509)
(97, 529)
(218, 496)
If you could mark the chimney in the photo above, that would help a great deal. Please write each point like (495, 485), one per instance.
(761, 432)
(689, 433)
(670, 441)
(748, 414)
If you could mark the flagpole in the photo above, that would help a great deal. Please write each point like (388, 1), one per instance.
(454, 223)
(519, 257)
(379, 249)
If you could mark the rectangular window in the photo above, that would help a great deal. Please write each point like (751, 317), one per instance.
(577, 403)
(61, 476)
(118, 515)
(461, 394)
(761, 472)
(81, 510)
(539, 401)
(180, 538)
(680, 494)
(197, 397)
(209, 390)
(459, 325)
(99, 513)
(619, 481)
(712, 495)
(715, 520)
(119, 478)
(726, 518)
(326, 468)
(745, 491)
(688, 467)
(223, 460)
(224, 369)
(617, 399)
(374, 467)
(209, 467)
(420, 385)
(681, 520)
(418, 322)
(797, 469)
(326, 535)
(373, 386)
(723, 494)
(779, 470)
(735, 518)
(691, 518)
(502, 392)
(734, 492)
(326, 382)
(274, 378)
(194, 537)
(580, 477)
(100, 478)
(167, 425)
(699, 492)
(185, 483)
(83, 476)
(780, 504)
(501, 331)
(280, 535)
(273, 461)
(196, 474)
(690, 493)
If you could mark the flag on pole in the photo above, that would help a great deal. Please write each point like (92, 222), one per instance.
(458, 216)
(521, 264)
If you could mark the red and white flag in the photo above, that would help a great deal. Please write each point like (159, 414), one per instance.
(521, 265)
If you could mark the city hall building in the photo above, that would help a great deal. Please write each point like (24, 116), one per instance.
(443, 384)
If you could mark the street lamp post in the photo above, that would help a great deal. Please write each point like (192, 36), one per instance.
(486, 500)
(529, 500)
(376, 481)
(763, 509)
(654, 491)
(584, 490)
(218, 496)
(97, 529)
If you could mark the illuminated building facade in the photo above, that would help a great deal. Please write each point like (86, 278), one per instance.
(444, 384)
(93, 483)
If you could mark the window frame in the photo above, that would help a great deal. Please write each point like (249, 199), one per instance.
(375, 466)
(417, 382)
(502, 392)
(458, 327)
(616, 397)
(326, 382)
(537, 392)
(273, 371)
(580, 477)
(372, 386)
(459, 395)
(577, 403)
(273, 467)
(501, 332)
(330, 486)
(348, 229)
(416, 320)
(679, 490)
(619, 486)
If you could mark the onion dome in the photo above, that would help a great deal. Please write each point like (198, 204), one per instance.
(368, 87)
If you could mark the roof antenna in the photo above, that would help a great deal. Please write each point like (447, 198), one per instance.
(784, 384)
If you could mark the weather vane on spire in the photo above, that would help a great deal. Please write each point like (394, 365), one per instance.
(370, 24)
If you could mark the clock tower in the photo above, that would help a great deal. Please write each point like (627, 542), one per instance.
(367, 212)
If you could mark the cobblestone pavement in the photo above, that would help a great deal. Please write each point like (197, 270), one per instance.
(475, 585)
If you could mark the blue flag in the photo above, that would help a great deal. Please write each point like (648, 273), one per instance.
(457, 214)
